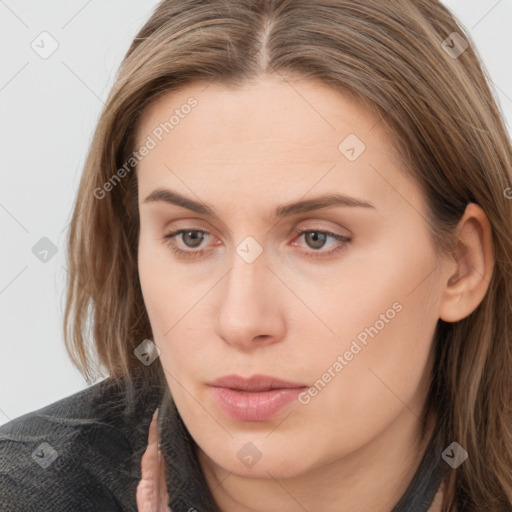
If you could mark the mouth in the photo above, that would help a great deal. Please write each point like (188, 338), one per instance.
(258, 398)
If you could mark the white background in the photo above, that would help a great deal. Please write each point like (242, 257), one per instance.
(49, 108)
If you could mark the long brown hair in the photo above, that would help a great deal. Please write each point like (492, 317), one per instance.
(401, 58)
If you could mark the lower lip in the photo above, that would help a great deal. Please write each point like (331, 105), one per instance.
(260, 406)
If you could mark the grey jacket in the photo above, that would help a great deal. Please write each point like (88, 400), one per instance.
(82, 454)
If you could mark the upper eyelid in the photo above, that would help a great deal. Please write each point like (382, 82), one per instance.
(300, 226)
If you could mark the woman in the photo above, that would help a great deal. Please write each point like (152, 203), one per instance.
(293, 236)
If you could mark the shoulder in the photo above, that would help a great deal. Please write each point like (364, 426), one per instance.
(80, 453)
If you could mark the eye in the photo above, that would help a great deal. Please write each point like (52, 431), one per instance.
(194, 236)
(315, 238)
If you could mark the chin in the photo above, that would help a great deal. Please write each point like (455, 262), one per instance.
(263, 462)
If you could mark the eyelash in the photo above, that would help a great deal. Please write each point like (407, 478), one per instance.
(314, 254)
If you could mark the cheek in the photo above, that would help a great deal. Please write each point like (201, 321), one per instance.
(385, 333)
(370, 281)
(160, 289)
(153, 283)
(171, 303)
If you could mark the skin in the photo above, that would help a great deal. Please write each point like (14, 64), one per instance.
(354, 446)
(151, 493)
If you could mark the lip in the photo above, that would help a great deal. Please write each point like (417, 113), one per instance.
(257, 398)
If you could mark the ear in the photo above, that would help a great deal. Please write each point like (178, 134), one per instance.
(468, 273)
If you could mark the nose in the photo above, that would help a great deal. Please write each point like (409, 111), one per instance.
(250, 314)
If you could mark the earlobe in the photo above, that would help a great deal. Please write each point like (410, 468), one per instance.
(470, 270)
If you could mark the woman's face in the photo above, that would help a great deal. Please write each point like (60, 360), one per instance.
(263, 291)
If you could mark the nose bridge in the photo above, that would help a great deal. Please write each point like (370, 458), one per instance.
(249, 266)
(246, 282)
(247, 308)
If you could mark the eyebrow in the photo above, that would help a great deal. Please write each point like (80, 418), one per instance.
(303, 206)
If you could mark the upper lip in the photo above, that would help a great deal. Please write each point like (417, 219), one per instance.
(254, 383)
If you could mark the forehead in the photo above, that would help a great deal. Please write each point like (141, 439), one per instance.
(300, 109)
(286, 134)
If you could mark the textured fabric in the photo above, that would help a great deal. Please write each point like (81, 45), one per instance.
(98, 447)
